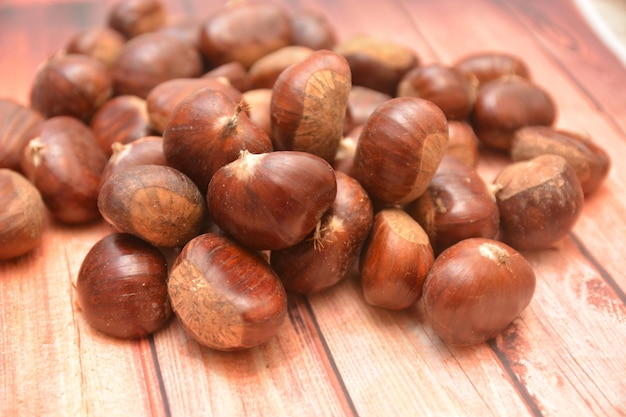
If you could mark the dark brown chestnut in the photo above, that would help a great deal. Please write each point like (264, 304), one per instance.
(149, 59)
(509, 103)
(16, 125)
(457, 205)
(328, 255)
(102, 43)
(400, 148)
(486, 66)
(265, 70)
(462, 142)
(273, 200)
(309, 103)
(206, 131)
(70, 85)
(311, 28)
(143, 151)
(590, 161)
(226, 296)
(134, 17)
(244, 32)
(64, 162)
(539, 201)
(236, 74)
(362, 102)
(475, 289)
(156, 203)
(122, 287)
(395, 260)
(22, 215)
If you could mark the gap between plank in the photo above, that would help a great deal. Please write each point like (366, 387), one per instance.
(159, 375)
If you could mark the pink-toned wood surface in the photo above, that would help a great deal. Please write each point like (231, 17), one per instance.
(335, 355)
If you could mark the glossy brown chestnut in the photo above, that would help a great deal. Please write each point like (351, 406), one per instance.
(312, 29)
(328, 255)
(475, 289)
(362, 102)
(462, 142)
(102, 43)
(273, 200)
(259, 103)
(153, 202)
(152, 58)
(509, 103)
(377, 63)
(122, 119)
(309, 104)
(400, 148)
(16, 125)
(164, 98)
(70, 85)
(143, 151)
(22, 215)
(590, 161)
(64, 162)
(265, 70)
(206, 131)
(244, 32)
(236, 74)
(395, 260)
(134, 17)
(489, 65)
(539, 201)
(457, 205)
(445, 86)
(122, 287)
(226, 296)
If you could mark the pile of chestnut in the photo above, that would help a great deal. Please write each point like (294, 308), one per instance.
(252, 153)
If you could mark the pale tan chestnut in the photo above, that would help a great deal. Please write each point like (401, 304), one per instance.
(400, 148)
(309, 103)
(395, 260)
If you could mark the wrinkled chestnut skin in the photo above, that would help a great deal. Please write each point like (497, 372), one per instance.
(226, 296)
(506, 104)
(156, 203)
(271, 201)
(16, 125)
(70, 85)
(395, 260)
(589, 160)
(152, 58)
(488, 66)
(400, 148)
(122, 287)
(539, 201)
(475, 289)
(22, 215)
(457, 205)
(445, 86)
(64, 162)
(325, 258)
(244, 32)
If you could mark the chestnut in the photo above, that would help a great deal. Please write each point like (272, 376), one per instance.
(102, 43)
(328, 255)
(226, 296)
(64, 162)
(362, 102)
(156, 203)
(457, 205)
(122, 287)
(207, 130)
(273, 200)
(590, 161)
(377, 63)
(265, 70)
(70, 85)
(445, 86)
(462, 142)
(259, 101)
(309, 102)
(244, 32)
(236, 74)
(475, 289)
(143, 151)
(151, 58)
(487, 66)
(16, 124)
(122, 119)
(509, 103)
(135, 17)
(400, 148)
(539, 201)
(312, 29)
(22, 215)
(344, 158)
(395, 260)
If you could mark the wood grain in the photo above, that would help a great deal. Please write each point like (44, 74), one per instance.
(335, 355)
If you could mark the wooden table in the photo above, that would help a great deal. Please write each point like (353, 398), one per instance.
(335, 355)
